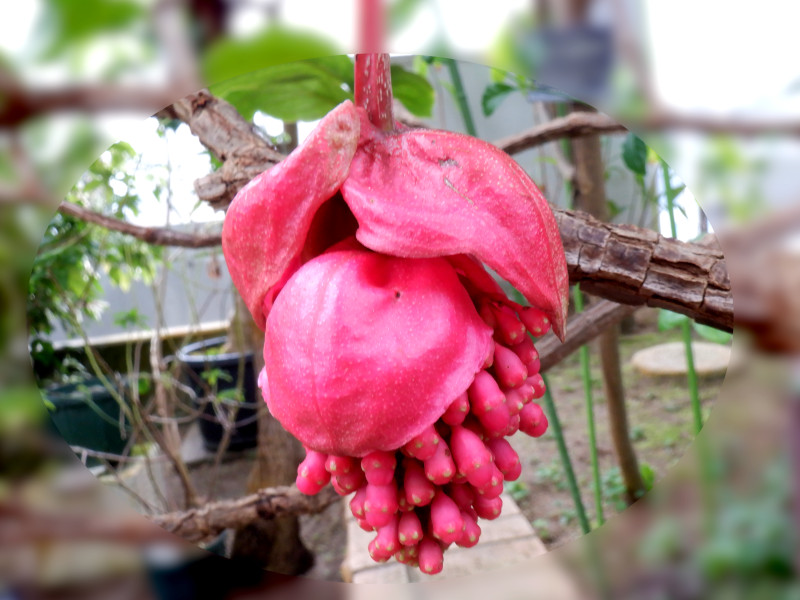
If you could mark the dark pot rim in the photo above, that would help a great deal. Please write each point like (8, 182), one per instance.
(76, 393)
(184, 354)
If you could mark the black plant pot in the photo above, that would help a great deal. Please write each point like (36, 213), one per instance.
(86, 414)
(221, 374)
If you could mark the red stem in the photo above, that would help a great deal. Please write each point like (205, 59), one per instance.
(373, 93)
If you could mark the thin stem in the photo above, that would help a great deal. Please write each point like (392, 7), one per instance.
(373, 88)
(461, 96)
(565, 460)
(371, 26)
(589, 403)
(686, 326)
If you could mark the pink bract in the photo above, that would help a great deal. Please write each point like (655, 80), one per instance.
(364, 350)
(390, 350)
(414, 193)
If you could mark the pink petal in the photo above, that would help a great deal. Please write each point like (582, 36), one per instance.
(422, 193)
(364, 351)
(267, 223)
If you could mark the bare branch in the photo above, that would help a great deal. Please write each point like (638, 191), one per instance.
(22, 104)
(576, 124)
(579, 124)
(581, 329)
(159, 236)
(200, 523)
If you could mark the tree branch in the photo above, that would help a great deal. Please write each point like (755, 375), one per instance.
(200, 523)
(581, 329)
(579, 124)
(20, 524)
(159, 236)
(633, 265)
(21, 104)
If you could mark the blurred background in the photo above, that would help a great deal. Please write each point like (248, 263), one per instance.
(710, 90)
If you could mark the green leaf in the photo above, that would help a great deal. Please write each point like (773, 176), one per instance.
(401, 13)
(648, 476)
(497, 75)
(299, 91)
(634, 154)
(493, 96)
(669, 320)
(413, 91)
(613, 209)
(711, 334)
(66, 23)
(276, 45)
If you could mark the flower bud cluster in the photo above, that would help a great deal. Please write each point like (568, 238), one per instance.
(431, 493)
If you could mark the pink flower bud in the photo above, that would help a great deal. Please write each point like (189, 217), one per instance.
(457, 411)
(409, 529)
(471, 456)
(419, 490)
(535, 321)
(532, 420)
(440, 467)
(505, 457)
(471, 533)
(311, 473)
(488, 508)
(381, 504)
(431, 559)
(508, 368)
(423, 446)
(379, 467)
(446, 522)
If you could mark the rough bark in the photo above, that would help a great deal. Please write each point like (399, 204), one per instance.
(232, 139)
(633, 265)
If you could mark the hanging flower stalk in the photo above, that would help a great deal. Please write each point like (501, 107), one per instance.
(390, 351)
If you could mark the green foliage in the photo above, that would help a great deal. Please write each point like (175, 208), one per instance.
(299, 91)
(493, 96)
(276, 45)
(67, 23)
(518, 490)
(613, 486)
(671, 320)
(552, 473)
(711, 334)
(413, 90)
(20, 408)
(634, 154)
(64, 285)
(130, 318)
(402, 12)
(307, 90)
(214, 376)
(734, 177)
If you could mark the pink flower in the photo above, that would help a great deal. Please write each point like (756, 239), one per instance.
(387, 342)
